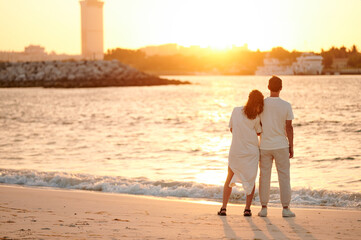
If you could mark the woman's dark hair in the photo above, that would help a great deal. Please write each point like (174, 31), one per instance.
(254, 105)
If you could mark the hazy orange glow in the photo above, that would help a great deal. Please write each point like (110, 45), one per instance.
(302, 25)
(211, 177)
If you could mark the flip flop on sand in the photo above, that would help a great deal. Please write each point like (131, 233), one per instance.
(247, 213)
(222, 212)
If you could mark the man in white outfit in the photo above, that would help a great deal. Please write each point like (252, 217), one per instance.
(276, 144)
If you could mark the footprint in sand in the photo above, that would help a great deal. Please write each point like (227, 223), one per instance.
(120, 220)
(83, 223)
(23, 233)
(130, 228)
(100, 213)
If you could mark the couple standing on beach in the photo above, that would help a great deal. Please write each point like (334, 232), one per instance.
(271, 118)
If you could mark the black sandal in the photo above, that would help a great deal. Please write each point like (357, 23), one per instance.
(222, 212)
(247, 213)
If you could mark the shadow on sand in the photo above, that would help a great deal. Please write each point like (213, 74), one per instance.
(258, 234)
(273, 230)
(228, 231)
(299, 230)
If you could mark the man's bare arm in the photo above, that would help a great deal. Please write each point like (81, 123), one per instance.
(289, 131)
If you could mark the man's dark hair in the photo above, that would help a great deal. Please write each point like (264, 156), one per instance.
(275, 84)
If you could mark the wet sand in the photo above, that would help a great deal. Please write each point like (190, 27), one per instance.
(42, 213)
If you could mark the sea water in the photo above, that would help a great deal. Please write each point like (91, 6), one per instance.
(173, 141)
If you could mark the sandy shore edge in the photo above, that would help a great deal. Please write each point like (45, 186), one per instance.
(39, 213)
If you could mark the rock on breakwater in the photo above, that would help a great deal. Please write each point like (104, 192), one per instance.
(76, 74)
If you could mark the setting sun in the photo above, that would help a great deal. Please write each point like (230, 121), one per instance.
(219, 25)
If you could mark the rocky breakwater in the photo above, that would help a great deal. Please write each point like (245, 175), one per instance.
(76, 74)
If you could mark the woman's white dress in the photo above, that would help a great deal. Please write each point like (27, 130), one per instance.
(244, 152)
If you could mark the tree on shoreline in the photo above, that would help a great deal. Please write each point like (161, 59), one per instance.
(353, 56)
(231, 61)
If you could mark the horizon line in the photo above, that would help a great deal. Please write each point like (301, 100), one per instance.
(189, 46)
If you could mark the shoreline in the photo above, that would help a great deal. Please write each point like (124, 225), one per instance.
(255, 202)
(32, 212)
(325, 198)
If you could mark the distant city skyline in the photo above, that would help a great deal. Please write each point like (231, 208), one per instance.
(294, 25)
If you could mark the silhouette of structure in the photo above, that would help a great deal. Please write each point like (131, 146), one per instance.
(92, 29)
(35, 53)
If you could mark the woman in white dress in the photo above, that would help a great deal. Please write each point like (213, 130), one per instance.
(244, 152)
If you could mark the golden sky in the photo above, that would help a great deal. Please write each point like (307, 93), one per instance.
(304, 25)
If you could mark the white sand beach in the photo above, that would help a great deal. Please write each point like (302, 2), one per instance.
(43, 213)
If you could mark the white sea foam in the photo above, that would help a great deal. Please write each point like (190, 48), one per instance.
(144, 186)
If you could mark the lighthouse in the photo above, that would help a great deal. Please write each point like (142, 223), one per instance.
(92, 29)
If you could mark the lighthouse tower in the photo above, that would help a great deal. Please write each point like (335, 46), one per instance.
(92, 29)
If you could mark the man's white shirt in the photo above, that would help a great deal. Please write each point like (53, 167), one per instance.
(275, 113)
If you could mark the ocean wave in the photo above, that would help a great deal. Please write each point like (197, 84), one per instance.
(320, 122)
(349, 158)
(162, 188)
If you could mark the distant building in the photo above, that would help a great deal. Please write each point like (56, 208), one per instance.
(243, 48)
(193, 50)
(173, 49)
(92, 46)
(272, 66)
(161, 50)
(34, 50)
(339, 63)
(308, 64)
(33, 53)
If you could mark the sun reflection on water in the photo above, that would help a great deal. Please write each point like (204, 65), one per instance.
(215, 116)
(216, 145)
(214, 177)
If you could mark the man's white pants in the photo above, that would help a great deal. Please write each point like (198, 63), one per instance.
(281, 157)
